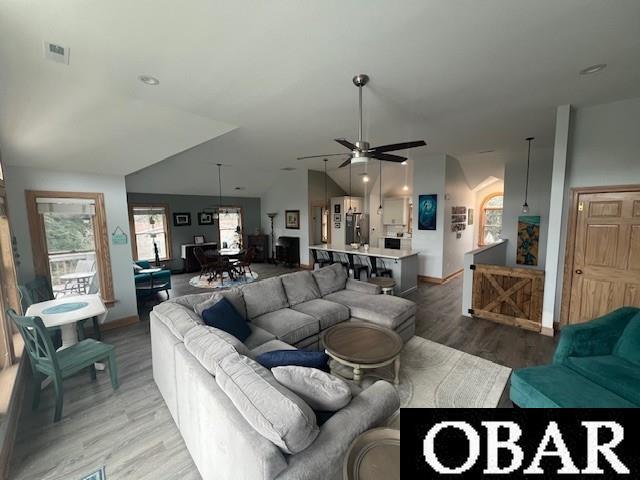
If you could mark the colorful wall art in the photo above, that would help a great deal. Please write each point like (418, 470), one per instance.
(528, 240)
(427, 210)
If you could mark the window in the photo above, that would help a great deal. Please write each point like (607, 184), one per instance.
(70, 241)
(230, 221)
(8, 286)
(491, 219)
(150, 229)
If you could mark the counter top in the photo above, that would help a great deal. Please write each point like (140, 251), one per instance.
(372, 252)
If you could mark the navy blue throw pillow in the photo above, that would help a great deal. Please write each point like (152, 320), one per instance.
(300, 358)
(224, 316)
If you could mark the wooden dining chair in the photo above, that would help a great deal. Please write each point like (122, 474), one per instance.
(47, 362)
(245, 261)
(206, 262)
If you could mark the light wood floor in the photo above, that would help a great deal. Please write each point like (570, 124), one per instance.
(131, 431)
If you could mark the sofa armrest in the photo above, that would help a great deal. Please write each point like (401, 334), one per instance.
(597, 337)
(363, 287)
(368, 410)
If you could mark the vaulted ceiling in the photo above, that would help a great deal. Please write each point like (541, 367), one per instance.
(254, 85)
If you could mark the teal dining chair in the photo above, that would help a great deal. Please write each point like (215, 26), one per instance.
(47, 362)
(26, 300)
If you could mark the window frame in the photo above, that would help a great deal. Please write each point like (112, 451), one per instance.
(242, 232)
(167, 231)
(101, 237)
(9, 296)
(482, 221)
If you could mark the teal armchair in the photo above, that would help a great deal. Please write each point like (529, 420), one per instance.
(596, 364)
(161, 280)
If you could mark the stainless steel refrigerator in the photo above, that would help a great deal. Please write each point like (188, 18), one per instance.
(357, 228)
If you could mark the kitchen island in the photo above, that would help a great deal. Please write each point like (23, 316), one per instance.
(402, 263)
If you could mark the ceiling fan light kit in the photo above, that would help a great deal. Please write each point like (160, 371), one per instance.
(361, 151)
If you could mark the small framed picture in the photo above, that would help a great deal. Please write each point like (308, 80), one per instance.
(198, 239)
(336, 208)
(470, 216)
(181, 219)
(205, 218)
(336, 225)
(337, 217)
(292, 219)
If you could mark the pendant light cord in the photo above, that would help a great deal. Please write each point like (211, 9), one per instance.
(526, 187)
(326, 207)
(219, 187)
(350, 193)
(380, 180)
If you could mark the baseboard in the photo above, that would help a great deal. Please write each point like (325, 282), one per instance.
(547, 331)
(438, 280)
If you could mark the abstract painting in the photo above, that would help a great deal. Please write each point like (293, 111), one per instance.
(528, 240)
(427, 209)
(470, 216)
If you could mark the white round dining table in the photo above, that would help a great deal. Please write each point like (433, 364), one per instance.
(53, 314)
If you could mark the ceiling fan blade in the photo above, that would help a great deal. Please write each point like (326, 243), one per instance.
(386, 156)
(322, 156)
(347, 162)
(345, 143)
(398, 146)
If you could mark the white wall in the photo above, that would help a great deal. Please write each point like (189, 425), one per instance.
(539, 191)
(290, 191)
(604, 149)
(458, 194)
(429, 178)
(20, 179)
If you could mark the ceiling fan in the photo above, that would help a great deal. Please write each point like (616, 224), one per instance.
(361, 151)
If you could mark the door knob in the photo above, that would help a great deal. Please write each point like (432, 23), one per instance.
(579, 272)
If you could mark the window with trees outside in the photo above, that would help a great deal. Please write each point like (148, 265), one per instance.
(491, 219)
(150, 229)
(230, 224)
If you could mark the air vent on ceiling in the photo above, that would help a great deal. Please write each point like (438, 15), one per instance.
(56, 53)
(288, 169)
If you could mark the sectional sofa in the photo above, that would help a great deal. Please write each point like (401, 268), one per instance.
(236, 420)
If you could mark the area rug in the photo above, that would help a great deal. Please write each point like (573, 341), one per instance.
(201, 282)
(437, 376)
(97, 475)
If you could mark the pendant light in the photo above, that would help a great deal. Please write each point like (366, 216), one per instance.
(525, 205)
(350, 211)
(216, 215)
(380, 179)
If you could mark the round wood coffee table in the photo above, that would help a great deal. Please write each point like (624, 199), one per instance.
(374, 455)
(362, 345)
(386, 284)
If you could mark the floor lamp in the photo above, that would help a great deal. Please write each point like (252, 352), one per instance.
(273, 238)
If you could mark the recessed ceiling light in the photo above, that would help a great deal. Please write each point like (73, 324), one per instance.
(288, 169)
(593, 69)
(487, 151)
(403, 163)
(405, 188)
(238, 188)
(149, 80)
(365, 177)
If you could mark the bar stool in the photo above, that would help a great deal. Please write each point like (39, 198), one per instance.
(381, 271)
(386, 284)
(323, 259)
(359, 266)
(342, 259)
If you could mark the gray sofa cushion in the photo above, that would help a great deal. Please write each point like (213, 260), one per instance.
(177, 318)
(190, 301)
(210, 345)
(385, 310)
(321, 390)
(330, 279)
(326, 312)
(259, 336)
(363, 287)
(272, 410)
(264, 297)
(233, 295)
(270, 346)
(300, 287)
(288, 325)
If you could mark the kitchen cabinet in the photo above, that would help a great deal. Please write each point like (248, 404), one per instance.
(395, 211)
